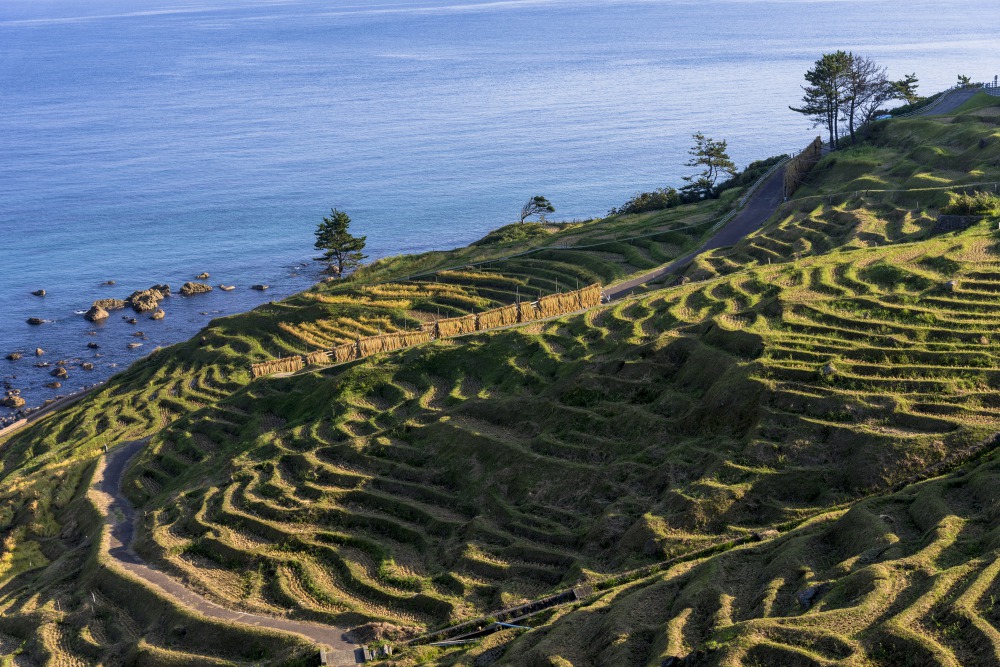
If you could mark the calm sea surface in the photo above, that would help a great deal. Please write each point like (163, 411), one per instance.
(148, 142)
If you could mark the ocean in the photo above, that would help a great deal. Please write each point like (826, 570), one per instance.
(147, 142)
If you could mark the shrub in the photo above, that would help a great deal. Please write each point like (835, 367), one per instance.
(977, 203)
(518, 231)
(641, 202)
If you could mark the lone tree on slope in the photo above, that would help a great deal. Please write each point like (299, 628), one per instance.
(537, 205)
(713, 156)
(342, 251)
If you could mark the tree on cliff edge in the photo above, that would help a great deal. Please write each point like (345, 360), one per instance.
(537, 205)
(342, 251)
(714, 159)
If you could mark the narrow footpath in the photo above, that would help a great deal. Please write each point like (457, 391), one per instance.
(120, 517)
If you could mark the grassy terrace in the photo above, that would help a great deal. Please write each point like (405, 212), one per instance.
(888, 190)
(458, 478)
(448, 480)
(46, 563)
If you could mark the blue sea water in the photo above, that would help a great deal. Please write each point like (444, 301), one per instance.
(146, 142)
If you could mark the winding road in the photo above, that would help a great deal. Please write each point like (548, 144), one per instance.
(120, 517)
(758, 209)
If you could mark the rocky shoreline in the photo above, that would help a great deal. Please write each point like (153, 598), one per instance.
(27, 365)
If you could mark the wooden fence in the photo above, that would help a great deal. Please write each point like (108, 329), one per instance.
(547, 306)
(800, 166)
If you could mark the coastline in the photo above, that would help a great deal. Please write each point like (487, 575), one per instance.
(91, 353)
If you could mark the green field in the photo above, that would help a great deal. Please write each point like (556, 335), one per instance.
(801, 382)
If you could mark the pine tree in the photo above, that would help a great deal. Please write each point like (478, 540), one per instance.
(537, 205)
(826, 91)
(713, 156)
(906, 88)
(342, 251)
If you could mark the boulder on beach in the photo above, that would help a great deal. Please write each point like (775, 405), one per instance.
(227, 288)
(35, 321)
(39, 351)
(189, 288)
(260, 288)
(14, 356)
(110, 304)
(13, 401)
(60, 373)
(158, 314)
(96, 314)
(202, 276)
(39, 292)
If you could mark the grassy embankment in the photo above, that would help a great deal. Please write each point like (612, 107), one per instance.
(48, 567)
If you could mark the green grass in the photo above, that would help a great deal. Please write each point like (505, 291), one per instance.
(838, 352)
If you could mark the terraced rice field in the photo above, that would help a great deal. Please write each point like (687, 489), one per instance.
(455, 479)
(831, 356)
(888, 190)
(46, 524)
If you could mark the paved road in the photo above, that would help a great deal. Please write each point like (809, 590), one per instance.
(948, 103)
(120, 516)
(761, 206)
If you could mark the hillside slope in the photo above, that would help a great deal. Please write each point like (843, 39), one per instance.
(440, 483)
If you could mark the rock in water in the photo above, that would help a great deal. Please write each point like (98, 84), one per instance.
(87, 366)
(227, 288)
(187, 289)
(92, 345)
(54, 385)
(144, 300)
(260, 288)
(39, 292)
(132, 346)
(39, 351)
(13, 401)
(202, 276)
(96, 314)
(162, 289)
(109, 282)
(110, 304)
(35, 321)
(14, 356)
(158, 314)
(60, 373)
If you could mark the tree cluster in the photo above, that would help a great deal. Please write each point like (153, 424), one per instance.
(844, 88)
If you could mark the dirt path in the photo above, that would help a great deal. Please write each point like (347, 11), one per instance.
(759, 208)
(121, 520)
